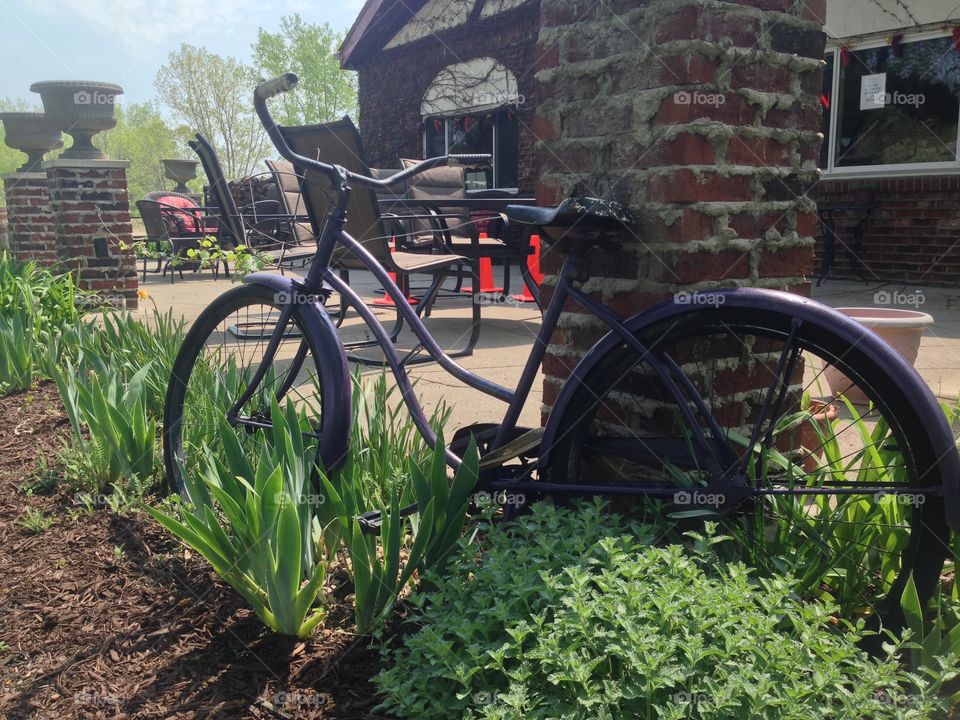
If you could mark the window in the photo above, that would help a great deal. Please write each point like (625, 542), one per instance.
(469, 108)
(493, 134)
(892, 110)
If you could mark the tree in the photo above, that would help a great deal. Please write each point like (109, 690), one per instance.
(325, 91)
(214, 96)
(144, 138)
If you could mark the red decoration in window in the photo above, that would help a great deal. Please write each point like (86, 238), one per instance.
(846, 56)
(896, 45)
(467, 124)
(437, 125)
(825, 100)
(956, 38)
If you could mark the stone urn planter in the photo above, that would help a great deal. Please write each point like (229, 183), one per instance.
(902, 329)
(81, 109)
(181, 172)
(31, 133)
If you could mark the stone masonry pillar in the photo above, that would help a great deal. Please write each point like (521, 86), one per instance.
(91, 213)
(31, 231)
(704, 118)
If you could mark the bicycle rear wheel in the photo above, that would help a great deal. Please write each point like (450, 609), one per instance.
(851, 502)
(215, 366)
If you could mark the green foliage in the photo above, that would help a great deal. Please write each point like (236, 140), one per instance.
(378, 576)
(255, 525)
(214, 95)
(934, 649)
(144, 138)
(34, 521)
(16, 351)
(325, 91)
(243, 259)
(573, 614)
(111, 423)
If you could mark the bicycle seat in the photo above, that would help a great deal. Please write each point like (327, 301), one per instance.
(583, 211)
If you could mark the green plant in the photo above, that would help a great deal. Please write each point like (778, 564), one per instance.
(378, 576)
(111, 422)
(255, 525)
(34, 520)
(574, 614)
(934, 649)
(16, 351)
(244, 259)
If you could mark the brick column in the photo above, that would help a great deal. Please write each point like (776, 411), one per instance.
(91, 213)
(30, 229)
(704, 118)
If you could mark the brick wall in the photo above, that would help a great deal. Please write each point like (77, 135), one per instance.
(912, 235)
(91, 213)
(392, 83)
(703, 117)
(31, 230)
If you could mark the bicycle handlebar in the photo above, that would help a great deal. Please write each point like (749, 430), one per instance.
(286, 82)
(280, 84)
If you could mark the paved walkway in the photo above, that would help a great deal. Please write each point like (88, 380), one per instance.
(508, 331)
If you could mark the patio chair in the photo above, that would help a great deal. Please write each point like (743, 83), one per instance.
(254, 225)
(174, 227)
(339, 143)
(453, 227)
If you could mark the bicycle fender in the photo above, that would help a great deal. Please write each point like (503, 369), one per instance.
(807, 310)
(335, 378)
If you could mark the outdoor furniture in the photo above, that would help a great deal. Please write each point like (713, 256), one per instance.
(254, 225)
(167, 227)
(828, 228)
(339, 143)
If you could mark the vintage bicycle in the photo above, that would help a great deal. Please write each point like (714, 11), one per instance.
(691, 408)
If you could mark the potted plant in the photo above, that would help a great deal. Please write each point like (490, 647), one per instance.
(31, 133)
(902, 329)
(80, 108)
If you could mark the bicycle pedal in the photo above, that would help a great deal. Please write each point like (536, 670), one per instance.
(520, 445)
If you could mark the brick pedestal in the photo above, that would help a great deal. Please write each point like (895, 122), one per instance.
(91, 213)
(703, 117)
(31, 233)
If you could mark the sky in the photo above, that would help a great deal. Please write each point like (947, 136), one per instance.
(126, 41)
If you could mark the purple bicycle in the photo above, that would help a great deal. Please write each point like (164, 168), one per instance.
(706, 406)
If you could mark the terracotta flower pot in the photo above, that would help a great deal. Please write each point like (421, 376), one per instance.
(31, 133)
(902, 329)
(81, 109)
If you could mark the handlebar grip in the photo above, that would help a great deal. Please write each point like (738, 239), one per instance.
(467, 159)
(280, 84)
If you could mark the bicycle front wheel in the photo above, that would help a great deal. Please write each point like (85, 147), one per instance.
(216, 366)
(729, 417)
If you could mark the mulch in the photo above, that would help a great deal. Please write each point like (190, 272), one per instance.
(108, 616)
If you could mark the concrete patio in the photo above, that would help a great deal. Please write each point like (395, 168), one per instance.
(509, 330)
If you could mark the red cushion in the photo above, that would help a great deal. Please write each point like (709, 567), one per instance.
(177, 222)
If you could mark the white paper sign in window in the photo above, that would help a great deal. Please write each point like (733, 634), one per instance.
(873, 91)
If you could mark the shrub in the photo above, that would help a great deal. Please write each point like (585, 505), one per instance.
(575, 615)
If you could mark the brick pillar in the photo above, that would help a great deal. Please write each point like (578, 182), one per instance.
(30, 229)
(91, 213)
(704, 118)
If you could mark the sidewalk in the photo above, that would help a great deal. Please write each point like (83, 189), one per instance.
(508, 331)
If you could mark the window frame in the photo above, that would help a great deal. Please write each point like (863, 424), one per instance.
(876, 171)
(494, 163)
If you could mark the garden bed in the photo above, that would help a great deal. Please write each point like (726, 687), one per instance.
(106, 615)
